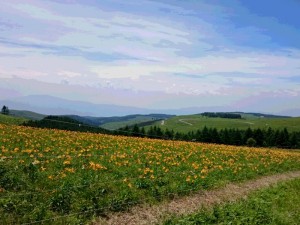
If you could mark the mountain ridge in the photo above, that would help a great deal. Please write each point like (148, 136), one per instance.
(50, 105)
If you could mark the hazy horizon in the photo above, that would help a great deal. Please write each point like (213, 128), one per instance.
(156, 54)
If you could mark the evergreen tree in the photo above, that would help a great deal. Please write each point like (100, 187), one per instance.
(269, 137)
(225, 139)
(5, 110)
(151, 132)
(237, 137)
(205, 137)
(169, 134)
(286, 138)
(294, 140)
(178, 136)
(159, 132)
(191, 135)
(259, 137)
(277, 138)
(248, 134)
(136, 130)
(198, 135)
(126, 131)
(143, 132)
(215, 136)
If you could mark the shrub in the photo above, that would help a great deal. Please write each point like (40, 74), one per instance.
(251, 142)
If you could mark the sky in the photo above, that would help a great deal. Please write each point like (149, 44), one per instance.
(156, 54)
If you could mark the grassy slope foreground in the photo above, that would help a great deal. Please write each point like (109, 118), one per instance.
(183, 207)
(194, 122)
(276, 205)
(5, 119)
(61, 177)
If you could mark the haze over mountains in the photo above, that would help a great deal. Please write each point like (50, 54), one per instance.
(47, 105)
(61, 99)
(50, 105)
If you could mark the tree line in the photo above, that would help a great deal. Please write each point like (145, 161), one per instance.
(222, 115)
(249, 137)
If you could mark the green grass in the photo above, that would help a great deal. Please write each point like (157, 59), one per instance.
(131, 122)
(179, 123)
(276, 205)
(12, 120)
(27, 114)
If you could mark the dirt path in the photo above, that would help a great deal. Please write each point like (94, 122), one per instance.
(248, 123)
(146, 214)
(183, 121)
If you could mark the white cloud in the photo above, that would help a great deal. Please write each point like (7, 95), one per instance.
(128, 50)
(103, 31)
(69, 74)
(264, 65)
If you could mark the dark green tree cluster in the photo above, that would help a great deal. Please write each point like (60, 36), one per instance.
(152, 132)
(222, 115)
(64, 123)
(5, 110)
(250, 137)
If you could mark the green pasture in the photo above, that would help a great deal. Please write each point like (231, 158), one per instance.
(6, 119)
(194, 122)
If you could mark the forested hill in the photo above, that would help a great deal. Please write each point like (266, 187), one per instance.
(64, 123)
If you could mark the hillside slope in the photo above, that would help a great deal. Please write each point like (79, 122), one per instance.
(117, 122)
(27, 114)
(12, 120)
(194, 122)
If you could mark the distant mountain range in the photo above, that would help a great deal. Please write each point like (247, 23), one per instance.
(45, 104)
(49, 105)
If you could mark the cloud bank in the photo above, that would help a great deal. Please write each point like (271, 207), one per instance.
(196, 52)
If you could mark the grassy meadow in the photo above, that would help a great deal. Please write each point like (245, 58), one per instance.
(136, 120)
(194, 122)
(12, 120)
(276, 205)
(61, 177)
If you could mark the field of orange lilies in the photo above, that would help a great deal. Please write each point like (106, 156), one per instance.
(56, 177)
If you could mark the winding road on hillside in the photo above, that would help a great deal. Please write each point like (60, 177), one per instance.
(190, 124)
(147, 214)
(248, 123)
(183, 121)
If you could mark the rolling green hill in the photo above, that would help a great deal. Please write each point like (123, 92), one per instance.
(5, 119)
(64, 123)
(116, 122)
(136, 120)
(194, 122)
(27, 114)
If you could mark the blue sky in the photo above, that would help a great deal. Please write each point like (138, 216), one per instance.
(173, 53)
